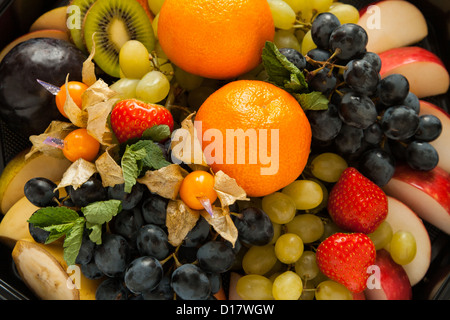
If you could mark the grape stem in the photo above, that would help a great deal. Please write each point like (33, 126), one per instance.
(324, 64)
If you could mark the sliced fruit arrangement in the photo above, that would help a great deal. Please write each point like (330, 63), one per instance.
(163, 174)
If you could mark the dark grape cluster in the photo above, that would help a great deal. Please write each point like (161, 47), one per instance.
(135, 258)
(373, 123)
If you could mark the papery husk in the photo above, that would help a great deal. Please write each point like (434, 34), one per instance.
(186, 147)
(180, 219)
(77, 116)
(222, 223)
(57, 130)
(78, 173)
(96, 93)
(110, 171)
(88, 71)
(227, 189)
(166, 181)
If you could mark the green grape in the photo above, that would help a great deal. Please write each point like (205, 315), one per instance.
(309, 290)
(321, 5)
(254, 287)
(329, 228)
(155, 25)
(382, 235)
(331, 290)
(307, 226)
(307, 194)
(166, 68)
(283, 15)
(279, 207)
(134, 60)
(287, 286)
(153, 87)
(307, 43)
(306, 267)
(259, 259)
(276, 232)
(289, 248)
(346, 13)
(155, 5)
(286, 39)
(159, 52)
(276, 269)
(300, 34)
(125, 87)
(197, 96)
(403, 247)
(328, 166)
(299, 5)
(186, 80)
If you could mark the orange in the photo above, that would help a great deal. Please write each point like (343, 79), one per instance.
(217, 39)
(272, 147)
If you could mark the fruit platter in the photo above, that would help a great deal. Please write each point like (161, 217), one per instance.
(224, 150)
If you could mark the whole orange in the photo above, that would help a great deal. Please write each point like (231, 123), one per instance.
(256, 133)
(217, 39)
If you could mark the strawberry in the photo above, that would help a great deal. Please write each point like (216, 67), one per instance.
(345, 257)
(131, 117)
(356, 203)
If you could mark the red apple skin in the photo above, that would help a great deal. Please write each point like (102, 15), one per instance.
(435, 183)
(394, 281)
(442, 142)
(396, 57)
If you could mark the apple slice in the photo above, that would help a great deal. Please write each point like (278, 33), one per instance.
(14, 225)
(401, 217)
(18, 171)
(424, 70)
(50, 33)
(53, 19)
(443, 141)
(392, 24)
(427, 193)
(393, 280)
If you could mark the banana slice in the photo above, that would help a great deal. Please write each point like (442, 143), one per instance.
(45, 272)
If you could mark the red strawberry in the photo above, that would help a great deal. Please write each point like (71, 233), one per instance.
(131, 117)
(345, 257)
(356, 203)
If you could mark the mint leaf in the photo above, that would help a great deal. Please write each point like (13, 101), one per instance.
(132, 165)
(73, 240)
(312, 101)
(157, 133)
(101, 212)
(56, 220)
(50, 216)
(142, 154)
(96, 232)
(281, 71)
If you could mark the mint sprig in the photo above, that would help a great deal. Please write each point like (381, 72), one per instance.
(65, 222)
(286, 75)
(142, 155)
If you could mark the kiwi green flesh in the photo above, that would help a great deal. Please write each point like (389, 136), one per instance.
(114, 22)
(76, 34)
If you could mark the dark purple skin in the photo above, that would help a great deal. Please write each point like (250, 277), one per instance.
(25, 106)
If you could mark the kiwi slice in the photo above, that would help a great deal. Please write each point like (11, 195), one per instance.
(77, 34)
(114, 22)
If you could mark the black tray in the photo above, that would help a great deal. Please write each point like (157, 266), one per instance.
(436, 283)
